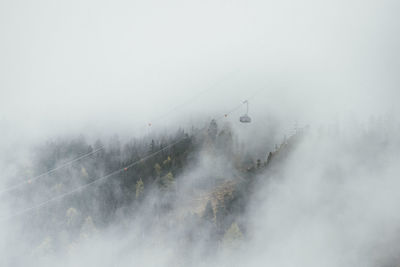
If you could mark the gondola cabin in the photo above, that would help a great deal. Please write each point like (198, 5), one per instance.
(245, 119)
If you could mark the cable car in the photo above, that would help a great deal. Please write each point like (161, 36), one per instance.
(245, 118)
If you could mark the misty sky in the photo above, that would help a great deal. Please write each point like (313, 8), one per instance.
(97, 68)
(99, 64)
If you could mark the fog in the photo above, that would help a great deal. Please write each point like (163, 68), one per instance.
(131, 72)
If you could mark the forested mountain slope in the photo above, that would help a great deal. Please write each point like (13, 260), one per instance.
(197, 180)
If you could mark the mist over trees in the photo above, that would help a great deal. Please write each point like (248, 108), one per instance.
(175, 133)
(193, 190)
(150, 175)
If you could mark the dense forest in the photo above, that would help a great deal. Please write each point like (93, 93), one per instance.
(117, 182)
(201, 197)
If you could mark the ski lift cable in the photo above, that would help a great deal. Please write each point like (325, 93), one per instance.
(211, 87)
(245, 102)
(165, 114)
(247, 106)
(68, 163)
(82, 187)
(85, 186)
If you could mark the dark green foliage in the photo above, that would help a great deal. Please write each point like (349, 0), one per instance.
(269, 158)
(128, 188)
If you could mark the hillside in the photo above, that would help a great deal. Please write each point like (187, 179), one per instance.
(203, 177)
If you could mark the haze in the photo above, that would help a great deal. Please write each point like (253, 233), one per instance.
(142, 69)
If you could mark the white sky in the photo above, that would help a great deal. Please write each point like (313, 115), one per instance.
(100, 64)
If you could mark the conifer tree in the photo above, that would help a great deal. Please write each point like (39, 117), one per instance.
(157, 169)
(88, 228)
(167, 181)
(213, 130)
(220, 214)
(208, 214)
(232, 236)
(139, 189)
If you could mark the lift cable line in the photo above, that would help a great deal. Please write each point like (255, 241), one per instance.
(245, 102)
(80, 188)
(68, 163)
(191, 99)
(125, 168)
